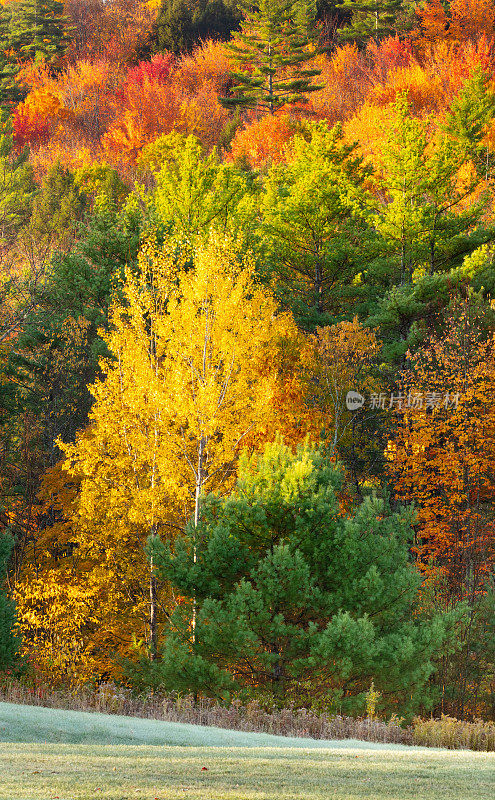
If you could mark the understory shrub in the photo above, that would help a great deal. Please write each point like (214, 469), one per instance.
(454, 734)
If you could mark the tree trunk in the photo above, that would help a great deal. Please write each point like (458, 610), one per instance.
(153, 605)
(197, 514)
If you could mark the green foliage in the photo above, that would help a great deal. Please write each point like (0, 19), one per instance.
(373, 19)
(30, 30)
(424, 221)
(470, 114)
(314, 225)
(181, 24)
(57, 209)
(101, 184)
(471, 670)
(275, 41)
(426, 225)
(17, 186)
(286, 589)
(195, 192)
(57, 352)
(9, 642)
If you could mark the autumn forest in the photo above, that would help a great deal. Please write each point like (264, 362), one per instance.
(247, 353)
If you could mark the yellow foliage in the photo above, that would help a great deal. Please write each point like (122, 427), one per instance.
(345, 84)
(339, 359)
(203, 117)
(184, 389)
(208, 65)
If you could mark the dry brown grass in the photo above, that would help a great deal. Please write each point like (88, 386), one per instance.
(455, 734)
(109, 698)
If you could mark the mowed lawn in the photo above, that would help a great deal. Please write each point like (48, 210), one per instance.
(47, 754)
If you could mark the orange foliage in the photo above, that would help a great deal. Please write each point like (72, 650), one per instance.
(263, 142)
(453, 64)
(84, 91)
(32, 119)
(468, 20)
(144, 113)
(442, 453)
(199, 80)
(429, 85)
(473, 18)
(208, 64)
(203, 116)
(389, 54)
(110, 29)
(344, 76)
(72, 110)
(433, 22)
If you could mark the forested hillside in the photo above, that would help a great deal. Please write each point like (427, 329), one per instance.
(247, 354)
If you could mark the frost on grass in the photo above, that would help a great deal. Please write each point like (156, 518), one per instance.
(21, 723)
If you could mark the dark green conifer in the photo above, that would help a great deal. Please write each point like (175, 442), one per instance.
(271, 49)
(289, 593)
(30, 30)
(9, 642)
(370, 19)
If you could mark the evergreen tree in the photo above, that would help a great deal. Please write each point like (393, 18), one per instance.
(425, 220)
(290, 591)
(373, 19)
(195, 191)
(30, 30)
(314, 225)
(46, 372)
(17, 190)
(271, 49)
(58, 348)
(57, 209)
(468, 121)
(17, 186)
(9, 643)
(427, 226)
(181, 24)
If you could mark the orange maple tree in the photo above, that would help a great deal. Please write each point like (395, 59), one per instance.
(264, 141)
(442, 452)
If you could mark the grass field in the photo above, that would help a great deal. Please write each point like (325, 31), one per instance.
(48, 754)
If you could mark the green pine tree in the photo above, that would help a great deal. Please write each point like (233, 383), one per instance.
(369, 20)
(9, 642)
(45, 375)
(57, 209)
(314, 225)
(470, 114)
(183, 24)
(196, 190)
(52, 364)
(30, 30)
(427, 227)
(271, 49)
(290, 593)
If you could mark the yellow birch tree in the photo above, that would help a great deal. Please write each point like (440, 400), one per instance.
(183, 389)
